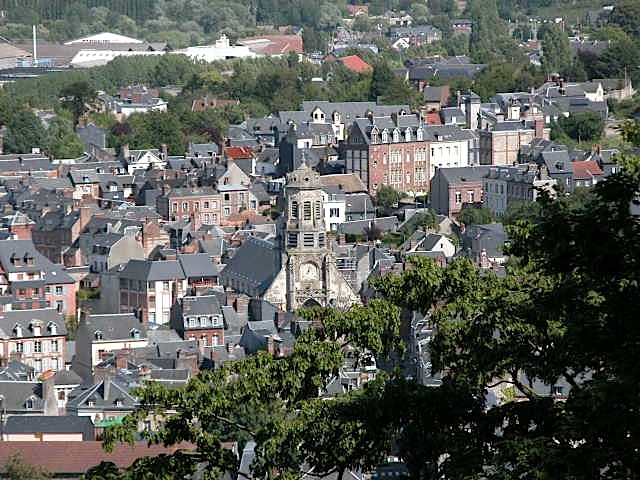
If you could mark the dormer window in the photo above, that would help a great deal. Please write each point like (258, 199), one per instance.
(396, 136)
(53, 328)
(36, 329)
(30, 403)
(407, 135)
(91, 403)
(385, 136)
(118, 402)
(203, 321)
(135, 333)
(98, 335)
(419, 134)
(17, 330)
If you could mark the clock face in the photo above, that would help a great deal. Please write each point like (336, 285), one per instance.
(308, 272)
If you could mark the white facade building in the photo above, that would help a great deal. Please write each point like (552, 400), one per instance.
(334, 210)
(448, 154)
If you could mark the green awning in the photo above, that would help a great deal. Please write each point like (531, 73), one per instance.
(110, 422)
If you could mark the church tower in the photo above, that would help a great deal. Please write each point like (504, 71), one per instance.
(309, 268)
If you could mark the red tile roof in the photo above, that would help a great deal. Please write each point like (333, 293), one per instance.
(432, 119)
(273, 44)
(78, 457)
(355, 63)
(238, 152)
(586, 170)
(356, 10)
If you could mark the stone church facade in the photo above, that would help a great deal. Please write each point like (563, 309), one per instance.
(309, 276)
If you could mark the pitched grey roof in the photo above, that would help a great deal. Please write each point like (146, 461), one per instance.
(50, 424)
(386, 224)
(150, 271)
(67, 377)
(201, 305)
(256, 263)
(490, 237)
(26, 318)
(105, 394)
(16, 394)
(459, 175)
(114, 326)
(198, 265)
(430, 241)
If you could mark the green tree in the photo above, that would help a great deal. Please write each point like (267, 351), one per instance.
(522, 211)
(562, 316)
(581, 126)
(77, 98)
(62, 141)
(25, 131)
(626, 14)
(281, 396)
(17, 468)
(630, 131)
(472, 215)
(387, 199)
(556, 51)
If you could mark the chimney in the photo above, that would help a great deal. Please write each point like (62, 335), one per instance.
(271, 348)
(242, 307)
(85, 216)
(231, 299)
(121, 360)
(458, 98)
(342, 239)
(539, 127)
(165, 150)
(230, 348)
(49, 393)
(124, 151)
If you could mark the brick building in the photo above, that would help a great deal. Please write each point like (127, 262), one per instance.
(34, 337)
(207, 205)
(33, 280)
(451, 188)
(500, 144)
(199, 318)
(403, 152)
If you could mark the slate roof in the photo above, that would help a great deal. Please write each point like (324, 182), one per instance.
(105, 394)
(430, 133)
(25, 319)
(114, 326)
(346, 182)
(56, 219)
(386, 224)
(16, 394)
(448, 114)
(490, 237)
(50, 424)
(455, 176)
(67, 377)
(198, 265)
(201, 305)
(151, 271)
(256, 262)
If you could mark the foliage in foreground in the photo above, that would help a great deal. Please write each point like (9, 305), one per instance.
(565, 312)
